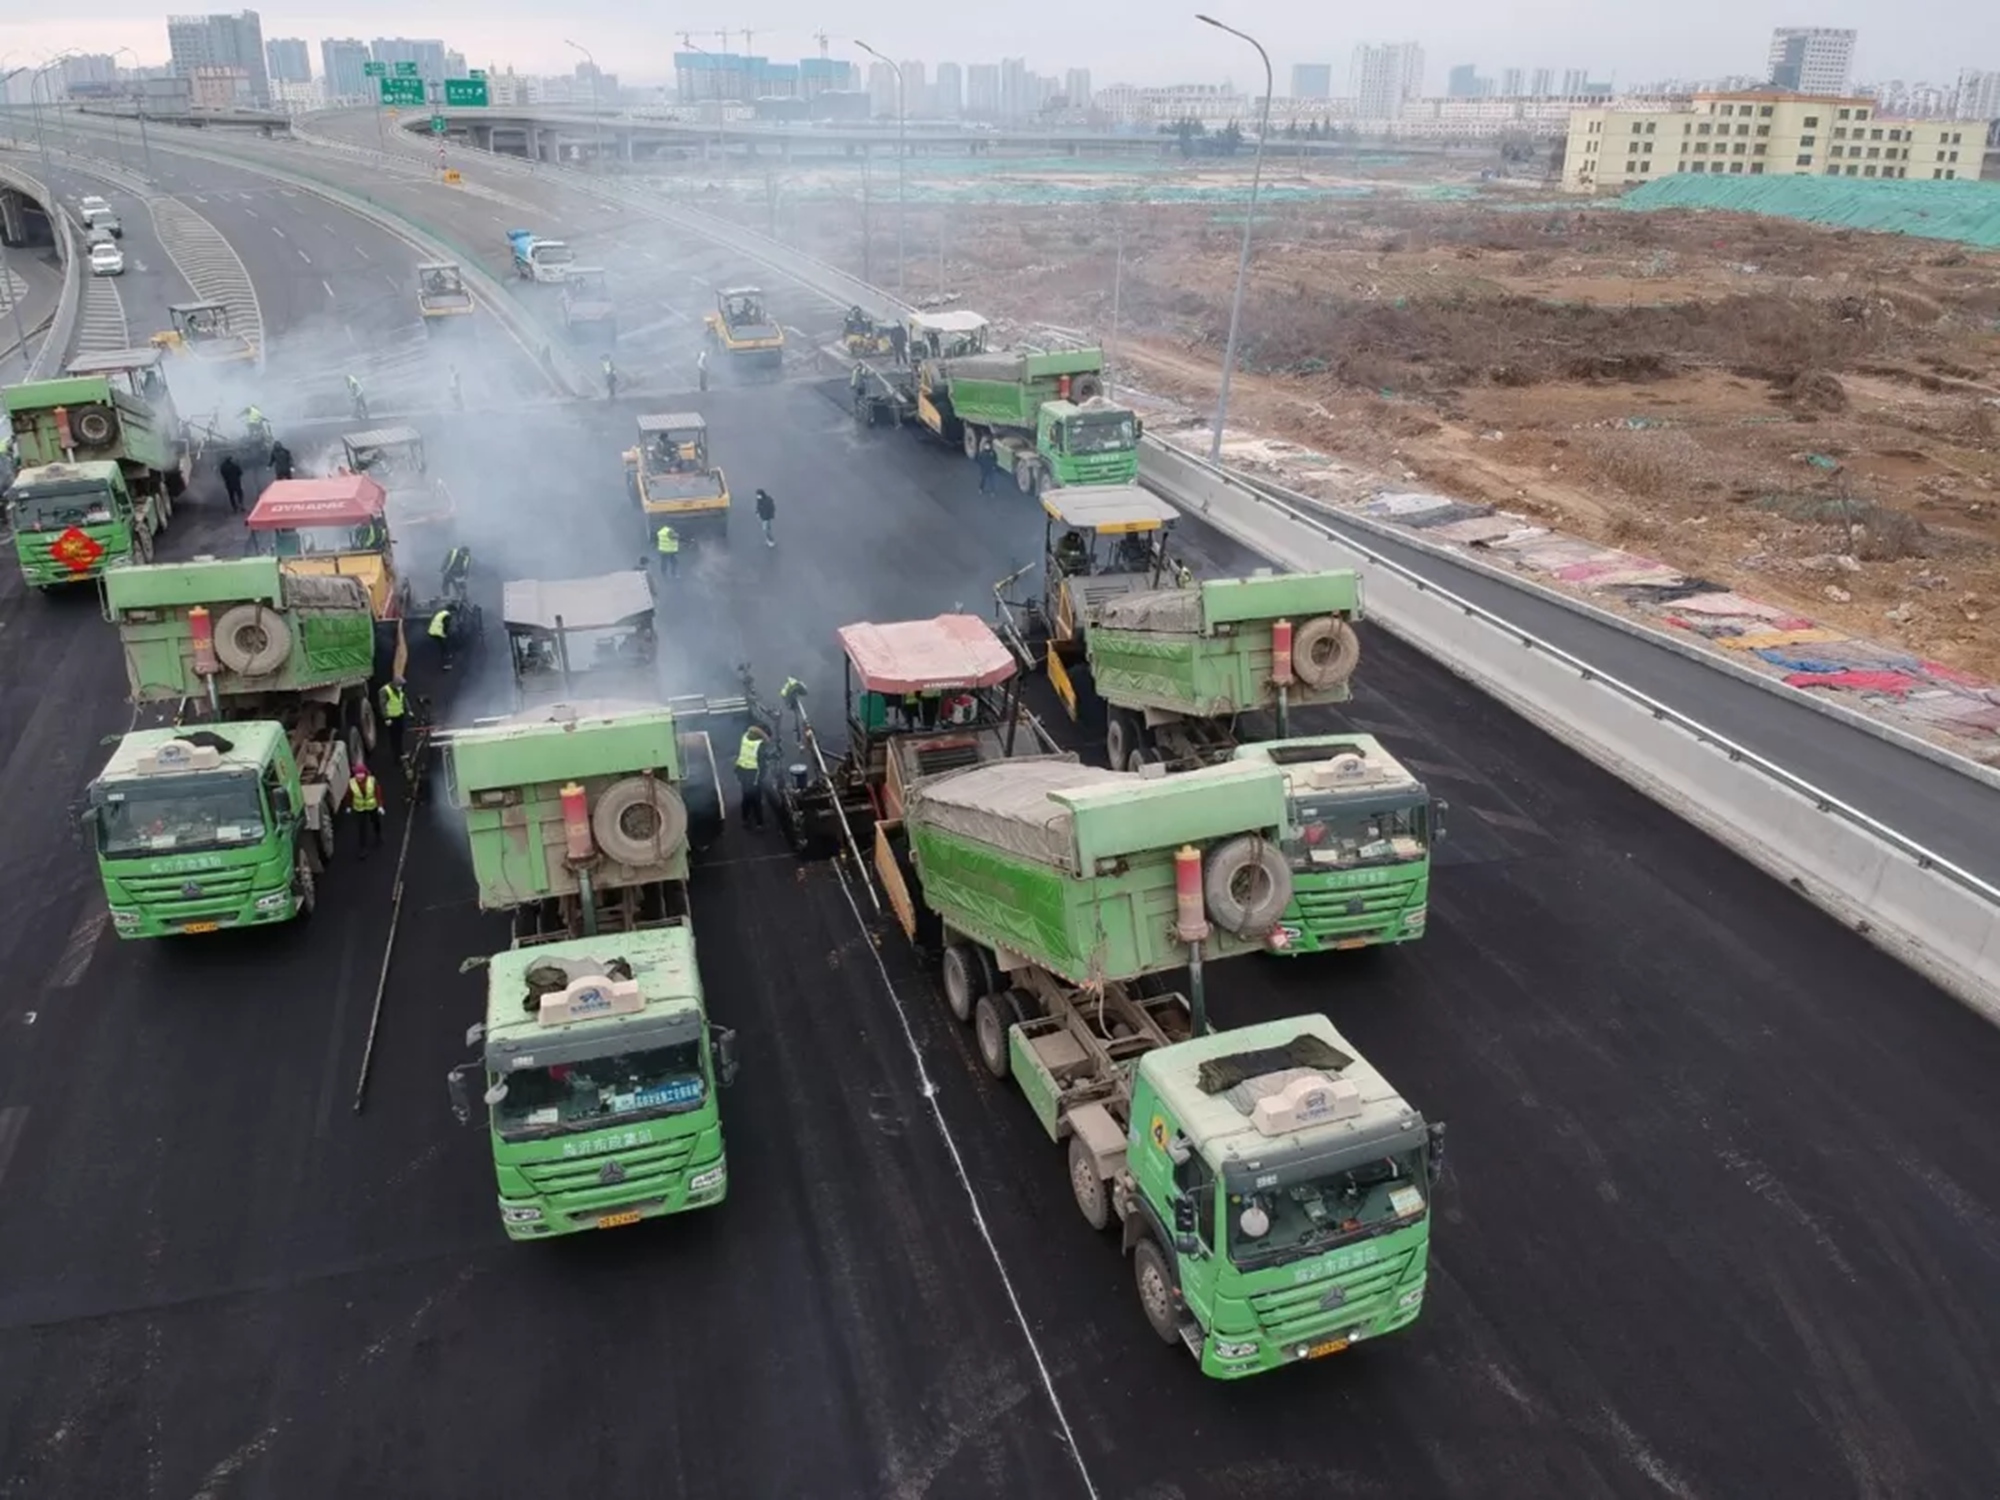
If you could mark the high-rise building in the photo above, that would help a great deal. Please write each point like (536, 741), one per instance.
(1384, 76)
(1540, 82)
(1076, 88)
(1014, 101)
(1462, 82)
(982, 91)
(1510, 83)
(222, 42)
(426, 53)
(1978, 95)
(882, 91)
(454, 64)
(1312, 80)
(88, 72)
(824, 75)
(916, 98)
(949, 91)
(1812, 59)
(287, 60)
(1574, 80)
(341, 66)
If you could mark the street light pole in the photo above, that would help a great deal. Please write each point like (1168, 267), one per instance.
(902, 155)
(596, 120)
(1243, 257)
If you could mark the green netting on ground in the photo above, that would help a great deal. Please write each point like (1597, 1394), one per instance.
(1968, 212)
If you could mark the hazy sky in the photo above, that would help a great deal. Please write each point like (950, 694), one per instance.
(1918, 39)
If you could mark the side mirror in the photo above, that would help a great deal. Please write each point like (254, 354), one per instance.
(724, 1039)
(461, 1095)
(281, 802)
(1437, 1151)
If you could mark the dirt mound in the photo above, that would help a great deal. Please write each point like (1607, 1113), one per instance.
(1816, 391)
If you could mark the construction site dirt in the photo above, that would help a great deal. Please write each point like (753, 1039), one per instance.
(1806, 415)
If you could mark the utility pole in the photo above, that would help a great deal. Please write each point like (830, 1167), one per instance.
(1243, 257)
(902, 153)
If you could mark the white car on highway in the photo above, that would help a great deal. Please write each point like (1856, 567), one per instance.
(107, 259)
(92, 205)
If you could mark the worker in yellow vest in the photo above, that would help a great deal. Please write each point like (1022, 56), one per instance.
(394, 708)
(364, 800)
(440, 632)
(669, 544)
(750, 753)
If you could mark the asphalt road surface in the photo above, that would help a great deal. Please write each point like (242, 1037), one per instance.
(1722, 1215)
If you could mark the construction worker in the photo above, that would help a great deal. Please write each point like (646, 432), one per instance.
(393, 708)
(669, 545)
(281, 461)
(364, 800)
(1072, 553)
(371, 535)
(899, 342)
(232, 480)
(701, 368)
(857, 383)
(610, 379)
(767, 512)
(440, 631)
(989, 465)
(357, 399)
(254, 423)
(792, 695)
(750, 774)
(456, 571)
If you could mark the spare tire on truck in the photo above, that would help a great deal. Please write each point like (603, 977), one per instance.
(639, 821)
(94, 426)
(251, 640)
(1247, 885)
(1325, 651)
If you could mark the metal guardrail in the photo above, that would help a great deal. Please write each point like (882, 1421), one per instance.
(54, 351)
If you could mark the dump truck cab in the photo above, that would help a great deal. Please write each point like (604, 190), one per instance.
(1277, 1196)
(394, 458)
(671, 477)
(337, 525)
(72, 521)
(581, 638)
(1358, 838)
(741, 328)
(1094, 441)
(202, 329)
(920, 697)
(442, 296)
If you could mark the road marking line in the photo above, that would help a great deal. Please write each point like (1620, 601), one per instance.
(362, 253)
(250, 213)
(329, 291)
(278, 232)
(13, 1120)
(305, 257)
(80, 948)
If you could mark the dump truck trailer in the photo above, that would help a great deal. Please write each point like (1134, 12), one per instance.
(1271, 1188)
(227, 819)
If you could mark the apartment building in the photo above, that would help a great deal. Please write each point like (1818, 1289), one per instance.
(1762, 133)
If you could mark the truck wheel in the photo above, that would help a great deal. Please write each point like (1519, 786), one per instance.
(324, 835)
(1092, 1200)
(142, 544)
(963, 976)
(368, 728)
(1325, 652)
(1027, 477)
(304, 888)
(971, 435)
(1157, 1298)
(1247, 885)
(1123, 734)
(252, 640)
(989, 1027)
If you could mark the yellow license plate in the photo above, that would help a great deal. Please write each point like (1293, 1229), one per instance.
(1351, 943)
(618, 1221)
(200, 926)
(1331, 1346)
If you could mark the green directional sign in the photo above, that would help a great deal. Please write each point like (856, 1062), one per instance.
(475, 72)
(375, 70)
(406, 70)
(437, 124)
(466, 93)
(403, 91)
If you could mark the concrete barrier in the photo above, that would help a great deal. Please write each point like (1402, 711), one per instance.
(54, 351)
(1940, 920)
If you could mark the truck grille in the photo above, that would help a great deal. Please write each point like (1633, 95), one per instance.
(168, 893)
(578, 1187)
(1354, 912)
(1301, 1312)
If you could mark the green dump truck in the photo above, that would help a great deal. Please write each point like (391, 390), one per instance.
(599, 1062)
(227, 819)
(1044, 412)
(1272, 1189)
(1184, 673)
(103, 455)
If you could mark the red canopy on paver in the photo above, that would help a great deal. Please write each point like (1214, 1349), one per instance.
(915, 656)
(341, 500)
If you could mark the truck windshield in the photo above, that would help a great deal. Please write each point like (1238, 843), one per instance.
(55, 507)
(1329, 837)
(1317, 1210)
(555, 255)
(599, 1091)
(1101, 434)
(178, 814)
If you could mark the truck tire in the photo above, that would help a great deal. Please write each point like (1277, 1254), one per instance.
(304, 888)
(639, 821)
(1124, 733)
(970, 440)
(368, 726)
(991, 1016)
(964, 979)
(1086, 387)
(1247, 884)
(94, 426)
(1159, 1299)
(251, 640)
(1028, 477)
(1093, 1197)
(1325, 652)
(324, 837)
(142, 543)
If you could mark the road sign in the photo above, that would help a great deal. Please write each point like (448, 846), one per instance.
(402, 90)
(475, 73)
(406, 70)
(437, 124)
(375, 70)
(465, 93)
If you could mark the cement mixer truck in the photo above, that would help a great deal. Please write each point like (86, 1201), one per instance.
(1272, 1189)
(1183, 673)
(598, 1064)
(226, 819)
